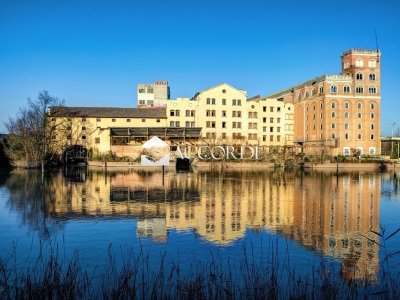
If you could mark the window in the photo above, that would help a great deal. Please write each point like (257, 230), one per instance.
(346, 126)
(359, 105)
(278, 129)
(112, 120)
(333, 136)
(98, 120)
(223, 124)
(359, 136)
(239, 124)
(233, 102)
(213, 113)
(359, 76)
(187, 124)
(264, 108)
(346, 115)
(128, 120)
(346, 105)
(372, 136)
(192, 124)
(187, 113)
(271, 138)
(213, 101)
(359, 89)
(372, 106)
(83, 137)
(97, 140)
(150, 90)
(359, 115)
(224, 113)
(208, 124)
(171, 124)
(333, 105)
(346, 89)
(158, 121)
(278, 138)
(333, 89)
(213, 124)
(359, 126)
(208, 101)
(192, 113)
(372, 90)
(172, 113)
(264, 129)
(143, 120)
(372, 115)
(271, 120)
(83, 128)
(271, 129)
(372, 126)
(264, 138)
(321, 89)
(346, 136)
(223, 135)
(239, 114)
(271, 109)
(208, 113)
(333, 125)
(333, 114)
(239, 102)
(264, 120)
(278, 120)
(372, 63)
(223, 101)
(347, 64)
(233, 114)
(359, 62)
(371, 77)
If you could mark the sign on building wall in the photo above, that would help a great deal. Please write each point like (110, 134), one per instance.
(155, 153)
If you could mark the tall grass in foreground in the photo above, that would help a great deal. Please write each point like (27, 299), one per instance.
(129, 275)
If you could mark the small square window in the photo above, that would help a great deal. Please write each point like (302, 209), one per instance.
(143, 120)
(113, 120)
(128, 120)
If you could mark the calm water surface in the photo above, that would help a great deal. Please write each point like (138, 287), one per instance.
(301, 218)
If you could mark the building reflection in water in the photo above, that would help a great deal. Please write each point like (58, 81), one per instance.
(326, 213)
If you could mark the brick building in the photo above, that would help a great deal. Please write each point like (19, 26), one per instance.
(339, 114)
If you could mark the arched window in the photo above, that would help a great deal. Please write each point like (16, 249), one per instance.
(321, 105)
(346, 89)
(346, 126)
(359, 76)
(333, 89)
(359, 136)
(314, 106)
(359, 89)
(346, 115)
(333, 125)
(372, 106)
(359, 115)
(372, 126)
(321, 89)
(372, 63)
(346, 105)
(306, 94)
(372, 115)
(372, 90)
(371, 77)
(347, 64)
(346, 136)
(333, 105)
(333, 114)
(359, 62)
(359, 105)
(333, 135)
(359, 126)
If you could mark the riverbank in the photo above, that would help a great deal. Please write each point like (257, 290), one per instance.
(372, 167)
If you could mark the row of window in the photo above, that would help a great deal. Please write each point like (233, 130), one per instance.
(347, 105)
(347, 115)
(360, 76)
(360, 63)
(213, 101)
(251, 136)
(347, 137)
(178, 124)
(346, 126)
(359, 89)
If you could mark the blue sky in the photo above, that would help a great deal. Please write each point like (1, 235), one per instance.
(94, 53)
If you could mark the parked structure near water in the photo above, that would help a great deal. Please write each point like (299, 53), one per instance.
(339, 113)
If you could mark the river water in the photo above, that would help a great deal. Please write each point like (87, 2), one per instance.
(302, 217)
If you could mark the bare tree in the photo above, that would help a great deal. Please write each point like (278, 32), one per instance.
(30, 133)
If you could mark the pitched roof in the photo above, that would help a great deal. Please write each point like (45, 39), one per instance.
(107, 112)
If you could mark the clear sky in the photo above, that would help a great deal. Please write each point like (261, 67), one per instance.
(94, 53)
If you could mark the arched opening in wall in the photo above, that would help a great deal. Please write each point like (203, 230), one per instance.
(75, 154)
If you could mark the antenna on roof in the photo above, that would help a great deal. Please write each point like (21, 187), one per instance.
(377, 47)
